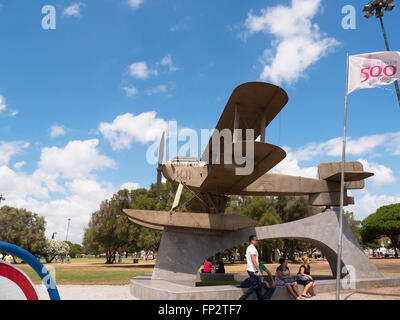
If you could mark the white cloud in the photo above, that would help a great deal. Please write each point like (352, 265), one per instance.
(140, 70)
(359, 146)
(157, 89)
(130, 185)
(84, 198)
(75, 161)
(10, 149)
(298, 41)
(69, 171)
(74, 10)
(3, 106)
(382, 174)
(19, 165)
(57, 130)
(290, 165)
(367, 203)
(167, 61)
(366, 145)
(130, 91)
(126, 128)
(134, 4)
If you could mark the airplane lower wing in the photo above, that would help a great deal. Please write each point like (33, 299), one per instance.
(223, 178)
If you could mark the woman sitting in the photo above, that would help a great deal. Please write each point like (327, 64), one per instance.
(304, 277)
(283, 278)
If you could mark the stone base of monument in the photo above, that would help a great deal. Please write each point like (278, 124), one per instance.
(143, 287)
(182, 252)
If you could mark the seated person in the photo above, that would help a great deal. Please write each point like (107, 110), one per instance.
(269, 286)
(283, 278)
(207, 266)
(304, 277)
(220, 265)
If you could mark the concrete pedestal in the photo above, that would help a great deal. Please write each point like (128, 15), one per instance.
(183, 251)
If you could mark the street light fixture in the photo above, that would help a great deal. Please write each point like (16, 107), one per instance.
(389, 7)
(377, 6)
(2, 198)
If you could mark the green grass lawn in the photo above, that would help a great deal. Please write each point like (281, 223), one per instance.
(94, 260)
(92, 274)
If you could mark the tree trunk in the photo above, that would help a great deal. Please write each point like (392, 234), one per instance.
(110, 257)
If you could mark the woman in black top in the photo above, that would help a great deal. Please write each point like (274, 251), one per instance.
(304, 277)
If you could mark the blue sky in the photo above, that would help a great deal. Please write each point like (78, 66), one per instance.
(82, 103)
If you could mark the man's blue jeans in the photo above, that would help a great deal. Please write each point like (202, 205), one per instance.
(255, 285)
(270, 291)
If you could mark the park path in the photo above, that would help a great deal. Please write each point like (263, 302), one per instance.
(88, 292)
(385, 293)
(109, 292)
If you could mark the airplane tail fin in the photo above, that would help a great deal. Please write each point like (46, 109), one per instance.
(354, 173)
(354, 176)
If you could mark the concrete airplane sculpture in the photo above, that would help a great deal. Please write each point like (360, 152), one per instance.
(212, 179)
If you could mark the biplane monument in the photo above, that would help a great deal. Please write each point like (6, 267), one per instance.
(190, 237)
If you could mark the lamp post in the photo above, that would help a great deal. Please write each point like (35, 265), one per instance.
(2, 198)
(69, 220)
(377, 7)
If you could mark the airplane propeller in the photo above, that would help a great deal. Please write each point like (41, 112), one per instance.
(160, 164)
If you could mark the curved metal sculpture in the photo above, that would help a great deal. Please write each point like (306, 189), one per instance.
(35, 264)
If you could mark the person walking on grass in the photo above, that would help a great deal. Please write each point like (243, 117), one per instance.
(253, 269)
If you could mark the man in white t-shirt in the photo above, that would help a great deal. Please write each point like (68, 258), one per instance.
(253, 270)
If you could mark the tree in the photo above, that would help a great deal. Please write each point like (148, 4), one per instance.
(23, 228)
(354, 224)
(74, 249)
(268, 211)
(110, 231)
(384, 222)
(55, 248)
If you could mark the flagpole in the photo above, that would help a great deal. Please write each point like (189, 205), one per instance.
(339, 252)
(396, 85)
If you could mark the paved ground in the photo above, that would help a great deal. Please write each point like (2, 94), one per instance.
(88, 292)
(386, 293)
(102, 292)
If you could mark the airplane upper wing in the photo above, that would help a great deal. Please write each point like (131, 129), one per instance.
(252, 105)
(257, 104)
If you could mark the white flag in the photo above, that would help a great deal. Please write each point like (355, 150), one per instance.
(371, 70)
